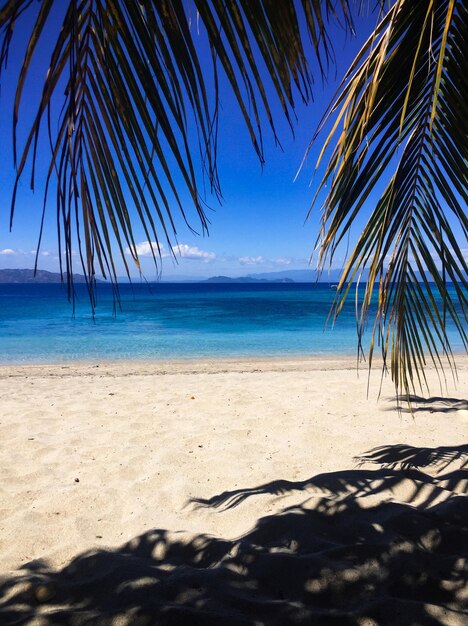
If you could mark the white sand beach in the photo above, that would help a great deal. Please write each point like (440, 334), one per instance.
(108, 463)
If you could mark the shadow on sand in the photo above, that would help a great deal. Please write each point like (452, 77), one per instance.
(439, 404)
(386, 545)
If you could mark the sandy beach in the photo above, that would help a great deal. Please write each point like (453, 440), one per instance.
(249, 491)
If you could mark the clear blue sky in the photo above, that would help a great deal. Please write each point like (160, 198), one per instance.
(259, 226)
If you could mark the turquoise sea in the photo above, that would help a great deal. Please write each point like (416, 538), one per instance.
(169, 320)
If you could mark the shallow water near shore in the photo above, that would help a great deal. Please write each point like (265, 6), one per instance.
(173, 321)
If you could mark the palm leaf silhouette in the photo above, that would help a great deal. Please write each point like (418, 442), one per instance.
(137, 126)
(400, 122)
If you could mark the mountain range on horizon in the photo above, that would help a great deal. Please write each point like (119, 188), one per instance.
(28, 276)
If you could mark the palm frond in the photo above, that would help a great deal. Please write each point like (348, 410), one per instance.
(136, 129)
(400, 122)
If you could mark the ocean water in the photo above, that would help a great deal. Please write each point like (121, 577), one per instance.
(165, 321)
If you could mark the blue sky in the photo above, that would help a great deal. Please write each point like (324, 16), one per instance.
(260, 225)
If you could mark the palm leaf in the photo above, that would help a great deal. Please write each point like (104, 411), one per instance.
(399, 120)
(123, 152)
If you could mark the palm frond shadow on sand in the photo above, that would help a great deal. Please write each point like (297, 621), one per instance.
(385, 545)
(436, 404)
(407, 457)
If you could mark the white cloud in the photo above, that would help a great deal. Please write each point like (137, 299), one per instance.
(261, 260)
(22, 253)
(252, 260)
(193, 252)
(144, 249)
(181, 250)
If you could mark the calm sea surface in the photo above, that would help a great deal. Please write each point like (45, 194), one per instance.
(166, 321)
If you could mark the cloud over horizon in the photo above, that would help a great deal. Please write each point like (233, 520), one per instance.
(182, 250)
(22, 253)
(261, 260)
(193, 252)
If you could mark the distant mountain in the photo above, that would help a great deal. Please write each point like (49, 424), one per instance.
(285, 276)
(303, 276)
(310, 276)
(42, 276)
(245, 279)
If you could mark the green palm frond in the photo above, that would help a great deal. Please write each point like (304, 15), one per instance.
(136, 129)
(400, 121)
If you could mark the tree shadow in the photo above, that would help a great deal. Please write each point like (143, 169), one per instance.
(381, 546)
(434, 404)
(399, 467)
(407, 457)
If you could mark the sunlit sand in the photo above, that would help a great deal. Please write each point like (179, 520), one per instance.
(276, 489)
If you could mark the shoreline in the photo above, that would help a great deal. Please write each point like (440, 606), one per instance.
(190, 365)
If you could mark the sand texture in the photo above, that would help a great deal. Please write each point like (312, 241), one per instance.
(230, 492)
